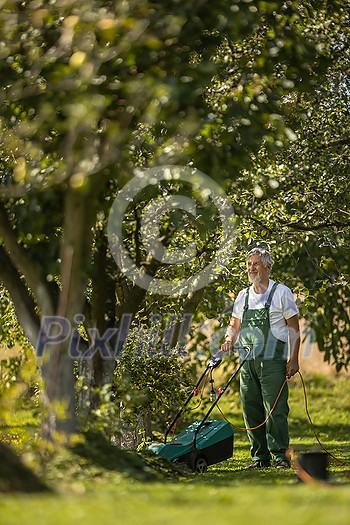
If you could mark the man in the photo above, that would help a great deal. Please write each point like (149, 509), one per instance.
(265, 317)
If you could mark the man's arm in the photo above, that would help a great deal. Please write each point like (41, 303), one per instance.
(231, 334)
(294, 341)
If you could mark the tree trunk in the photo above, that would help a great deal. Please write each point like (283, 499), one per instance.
(182, 327)
(58, 360)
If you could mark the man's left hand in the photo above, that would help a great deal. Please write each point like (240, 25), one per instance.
(292, 368)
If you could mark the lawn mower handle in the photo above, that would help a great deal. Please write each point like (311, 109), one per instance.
(213, 363)
(194, 389)
(243, 360)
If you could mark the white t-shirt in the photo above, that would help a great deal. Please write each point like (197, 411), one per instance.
(282, 307)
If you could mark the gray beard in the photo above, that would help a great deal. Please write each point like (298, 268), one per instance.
(255, 280)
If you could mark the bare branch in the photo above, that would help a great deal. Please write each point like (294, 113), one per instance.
(23, 302)
(30, 270)
(339, 142)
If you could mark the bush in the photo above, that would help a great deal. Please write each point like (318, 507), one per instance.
(150, 383)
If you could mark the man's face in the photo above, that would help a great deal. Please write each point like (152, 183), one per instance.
(257, 272)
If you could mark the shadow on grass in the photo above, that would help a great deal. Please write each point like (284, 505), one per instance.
(233, 471)
(15, 476)
(271, 477)
(143, 467)
(148, 467)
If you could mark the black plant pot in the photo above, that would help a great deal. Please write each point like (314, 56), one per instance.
(315, 464)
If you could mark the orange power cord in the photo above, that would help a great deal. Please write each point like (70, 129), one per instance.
(302, 474)
(268, 415)
(340, 462)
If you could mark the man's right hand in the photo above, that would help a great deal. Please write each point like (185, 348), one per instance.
(227, 346)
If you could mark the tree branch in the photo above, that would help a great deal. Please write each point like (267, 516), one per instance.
(298, 226)
(339, 142)
(30, 270)
(314, 227)
(21, 298)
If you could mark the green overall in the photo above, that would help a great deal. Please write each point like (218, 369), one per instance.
(261, 378)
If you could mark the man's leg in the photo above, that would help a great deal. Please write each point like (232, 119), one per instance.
(273, 375)
(253, 410)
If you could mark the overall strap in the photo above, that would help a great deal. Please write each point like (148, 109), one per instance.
(269, 299)
(246, 300)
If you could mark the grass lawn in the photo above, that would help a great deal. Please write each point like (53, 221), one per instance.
(100, 485)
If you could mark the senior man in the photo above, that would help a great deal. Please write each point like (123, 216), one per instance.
(265, 317)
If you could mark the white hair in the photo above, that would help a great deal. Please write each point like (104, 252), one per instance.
(266, 258)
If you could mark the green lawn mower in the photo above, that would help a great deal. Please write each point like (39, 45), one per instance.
(204, 442)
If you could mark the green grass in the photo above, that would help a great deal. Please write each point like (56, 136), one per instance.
(183, 504)
(94, 483)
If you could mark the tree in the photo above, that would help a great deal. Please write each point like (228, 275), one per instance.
(301, 200)
(92, 89)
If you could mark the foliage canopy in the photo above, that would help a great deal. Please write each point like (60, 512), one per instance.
(255, 94)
